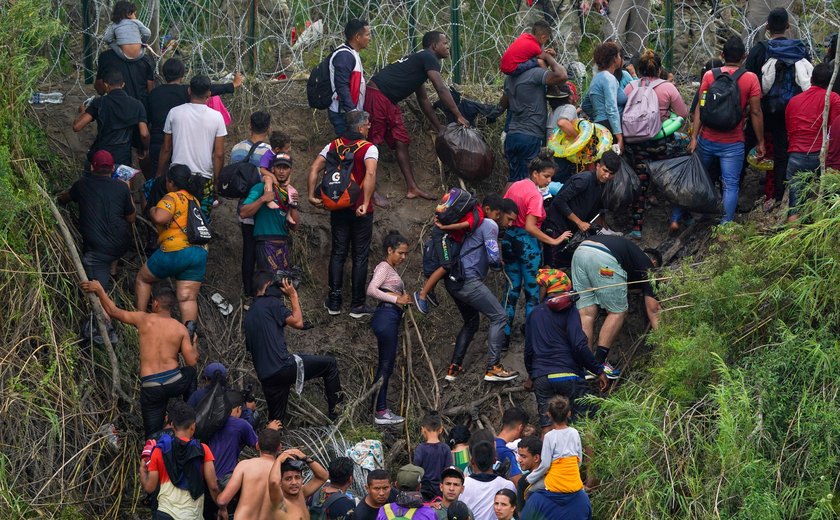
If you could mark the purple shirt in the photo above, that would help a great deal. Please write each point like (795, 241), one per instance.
(265, 160)
(228, 442)
(433, 458)
(422, 513)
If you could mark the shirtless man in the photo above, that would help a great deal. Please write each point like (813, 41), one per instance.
(250, 477)
(162, 338)
(286, 490)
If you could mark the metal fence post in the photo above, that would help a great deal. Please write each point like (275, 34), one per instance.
(455, 24)
(252, 32)
(669, 34)
(412, 24)
(87, 42)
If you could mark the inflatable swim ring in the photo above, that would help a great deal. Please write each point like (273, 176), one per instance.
(562, 146)
(764, 164)
(669, 127)
(600, 142)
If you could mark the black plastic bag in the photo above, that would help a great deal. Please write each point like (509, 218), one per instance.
(623, 189)
(211, 413)
(685, 182)
(464, 152)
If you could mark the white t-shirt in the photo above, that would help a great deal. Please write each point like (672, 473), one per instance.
(194, 128)
(479, 495)
(567, 111)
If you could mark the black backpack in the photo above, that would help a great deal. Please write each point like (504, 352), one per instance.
(198, 228)
(237, 179)
(212, 412)
(321, 503)
(441, 250)
(457, 204)
(319, 89)
(720, 106)
(338, 190)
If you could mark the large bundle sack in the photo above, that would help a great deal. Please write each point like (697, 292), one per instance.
(212, 412)
(685, 182)
(623, 189)
(464, 152)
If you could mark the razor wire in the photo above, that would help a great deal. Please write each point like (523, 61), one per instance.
(276, 40)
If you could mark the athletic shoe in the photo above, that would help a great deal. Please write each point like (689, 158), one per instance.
(333, 307)
(422, 305)
(610, 372)
(433, 299)
(590, 376)
(498, 373)
(360, 311)
(387, 417)
(453, 372)
(634, 235)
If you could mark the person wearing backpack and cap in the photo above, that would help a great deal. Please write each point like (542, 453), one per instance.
(351, 215)
(409, 503)
(727, 95)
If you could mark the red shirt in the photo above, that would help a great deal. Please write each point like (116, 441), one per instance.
(366, 151)
(804, 119)
(749, 87)
(521, 50)
(833, 158)
(474, 218)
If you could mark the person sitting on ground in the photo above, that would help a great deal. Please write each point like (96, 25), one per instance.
(457, 231)
(182, 467)
(522, 54)
(564, 118)
(106, 213)
(557, 354)
(432, 455)
(379, 493)
(398, 81)
(504, 504)
(514, 421)
(265, 324)
(334, 498)
(482, 484)
(459, 439)
(528, 456)
(126, 34)
(161, 339)
(250, 476)
(603, 269)
(387, 287)
(280, 143)
(120, 121)
(176, 257)
(578, 203)
(273, 204)
(286, 490)
(409, 501)
(562, 453)
(451, 487)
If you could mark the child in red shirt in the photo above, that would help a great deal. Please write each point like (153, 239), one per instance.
(522, 54)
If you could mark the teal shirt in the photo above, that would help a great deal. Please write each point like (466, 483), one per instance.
(269, 223)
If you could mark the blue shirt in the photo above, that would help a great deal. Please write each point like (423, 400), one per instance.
(268, 223)
(480, 250)
(505, 453)
(605, 100)
(555, 344)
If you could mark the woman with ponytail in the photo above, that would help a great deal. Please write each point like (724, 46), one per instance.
(176, 257)
(521, 244)
(387, 287)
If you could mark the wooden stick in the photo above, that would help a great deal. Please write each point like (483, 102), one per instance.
(436, 387)
(348, 410)
(465, 408)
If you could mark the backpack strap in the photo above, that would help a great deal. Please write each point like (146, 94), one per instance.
(389, 512)
(251, 151)
(655, 83)
(716, 72)
(410, 513)
(332, 499)
(738, 73)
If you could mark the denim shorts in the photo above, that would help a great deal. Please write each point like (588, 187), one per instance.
(188, 264)
(593, 267)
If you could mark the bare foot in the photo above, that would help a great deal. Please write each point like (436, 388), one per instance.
(381, 201)
(793, 218)
(414, 193)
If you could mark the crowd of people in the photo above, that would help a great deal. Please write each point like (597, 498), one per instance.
(552, 244)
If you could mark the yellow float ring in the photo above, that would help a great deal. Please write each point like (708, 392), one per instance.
(562, 146)
(600, 142)
(764, 164)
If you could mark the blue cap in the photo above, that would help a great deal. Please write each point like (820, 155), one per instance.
(213, 368)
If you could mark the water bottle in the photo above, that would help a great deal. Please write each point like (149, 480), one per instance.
(39, 98)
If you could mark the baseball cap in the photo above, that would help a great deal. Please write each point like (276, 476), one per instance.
(558, 92)
(452, 471)
(102, 160)
(211, 369)
(409, 476)
(283, 159)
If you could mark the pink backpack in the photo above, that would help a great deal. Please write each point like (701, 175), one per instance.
(640, 120)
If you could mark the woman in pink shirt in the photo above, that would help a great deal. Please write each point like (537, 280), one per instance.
(521, 249)
(387, 287)
(639, 154)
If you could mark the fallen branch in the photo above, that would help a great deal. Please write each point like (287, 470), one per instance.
(436, 387)
(465, 408)
(348, 410)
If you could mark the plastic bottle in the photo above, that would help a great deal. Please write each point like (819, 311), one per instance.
(39, 98)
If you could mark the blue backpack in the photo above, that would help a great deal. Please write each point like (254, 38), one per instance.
(778, 75)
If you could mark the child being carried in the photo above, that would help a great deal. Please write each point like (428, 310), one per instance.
(126, 34)
(562, 452)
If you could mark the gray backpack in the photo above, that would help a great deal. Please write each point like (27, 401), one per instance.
(640, 120)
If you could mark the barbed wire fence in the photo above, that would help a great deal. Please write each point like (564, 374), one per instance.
(283, 39)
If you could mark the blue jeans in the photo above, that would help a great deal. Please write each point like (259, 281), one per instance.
(519, 150)
(731, 156)
(522, 255)
(799, 162)
(386, 326)
(337, 120)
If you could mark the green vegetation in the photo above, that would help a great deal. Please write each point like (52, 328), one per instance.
(736, 415)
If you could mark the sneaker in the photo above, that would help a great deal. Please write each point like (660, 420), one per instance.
(590, 376)
(433, 299)
(333, 304)
(610, 372)
(422, 304)
(387, 417)
(360, 311)
(498, 373)
(634, 235)
(453, 372)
